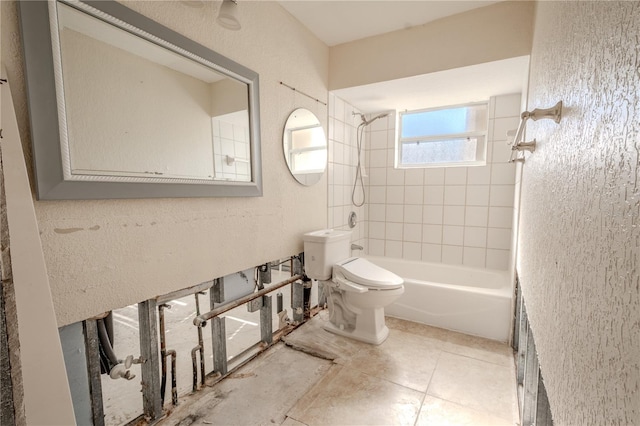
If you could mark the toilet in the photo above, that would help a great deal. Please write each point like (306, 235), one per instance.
(357, 290)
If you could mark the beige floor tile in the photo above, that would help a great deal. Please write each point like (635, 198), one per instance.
(434, 333)
(438, 412)
(292, 422)
(479, 348)
(476, 384)
(355, 398)
(404, 358)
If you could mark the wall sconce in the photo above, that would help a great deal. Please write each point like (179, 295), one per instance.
(227, 15)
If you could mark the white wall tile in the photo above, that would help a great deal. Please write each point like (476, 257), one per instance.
(395, 213)
(474, 256)
(497, 259)
(503, 174)
(377, 230)
(507, 106)
(434, 176)
(413, 194)
(376, 247)
(502, 195)
(455, 176)
(377, 175)
(377, 194)
(476, 216)
(452, 255)
(475, 236)
(413, 214)
(414, 177)
(455, 195)
(434, 195)
(391, 157)
(502, 125)
(412, 251)
(412, 232)
(378, 158)
(393, 249)
(432, 214)
(500, 217)
(431, 252)
(501, 152)
(378, 140)
(453, 235)
(480, 175)
(453, 215)
(395, 177)
(499, 238)
(478, 195)
(394, 231)
(395, 195)
(377, 212)
(432, 234)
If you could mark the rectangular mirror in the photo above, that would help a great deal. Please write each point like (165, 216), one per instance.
(122, 107)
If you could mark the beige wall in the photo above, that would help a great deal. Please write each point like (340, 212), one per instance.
(491, 33)
(107, 254)
(579, 250)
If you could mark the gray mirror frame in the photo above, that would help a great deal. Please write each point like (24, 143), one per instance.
(43, 113)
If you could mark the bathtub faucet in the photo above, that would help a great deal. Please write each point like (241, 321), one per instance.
(356, 247)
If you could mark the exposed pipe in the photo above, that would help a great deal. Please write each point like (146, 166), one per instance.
(199, 348)
(164, 353)
(201, 319)
(105, 345)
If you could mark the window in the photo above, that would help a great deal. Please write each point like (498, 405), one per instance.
(443, 137)
(307, 153)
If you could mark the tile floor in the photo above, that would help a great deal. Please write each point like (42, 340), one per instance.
(420, 376)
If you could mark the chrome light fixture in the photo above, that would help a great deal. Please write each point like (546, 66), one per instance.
(227, 15)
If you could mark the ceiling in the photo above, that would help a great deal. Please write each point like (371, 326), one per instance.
(336, 22)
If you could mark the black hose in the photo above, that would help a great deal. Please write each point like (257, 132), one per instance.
(105, 345)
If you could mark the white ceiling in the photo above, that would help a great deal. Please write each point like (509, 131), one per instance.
(336, 22)
(342, 21)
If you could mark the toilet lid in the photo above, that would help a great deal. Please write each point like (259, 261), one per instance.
(363, 272)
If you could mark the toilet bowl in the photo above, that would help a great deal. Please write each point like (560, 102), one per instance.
(357, 291)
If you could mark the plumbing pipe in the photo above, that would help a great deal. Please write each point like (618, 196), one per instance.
(164, 353)
(199, 348)
(201, 319)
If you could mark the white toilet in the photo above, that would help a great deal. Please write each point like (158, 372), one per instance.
(357, 290)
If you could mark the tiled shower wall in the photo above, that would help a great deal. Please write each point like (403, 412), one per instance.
(457, 215)
(343, 161)
(460, 215)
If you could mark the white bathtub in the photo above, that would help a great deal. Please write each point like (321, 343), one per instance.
(470, 300)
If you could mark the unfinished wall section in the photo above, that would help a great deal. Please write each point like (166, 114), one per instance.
(579, 250)
(108, 254)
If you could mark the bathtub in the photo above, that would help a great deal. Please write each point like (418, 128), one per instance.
(469, 300)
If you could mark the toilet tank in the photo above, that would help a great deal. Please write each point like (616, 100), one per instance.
(324, 248)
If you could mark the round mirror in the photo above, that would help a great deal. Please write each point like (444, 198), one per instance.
(305, 146)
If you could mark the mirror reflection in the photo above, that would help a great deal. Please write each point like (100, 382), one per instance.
(305, 146)
(138, 110)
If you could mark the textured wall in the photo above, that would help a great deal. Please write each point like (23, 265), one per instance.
(580, 240)
(111, 253)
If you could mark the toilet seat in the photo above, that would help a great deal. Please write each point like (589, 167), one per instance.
(364, 273)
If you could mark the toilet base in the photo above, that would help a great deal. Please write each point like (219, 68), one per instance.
(374, 339)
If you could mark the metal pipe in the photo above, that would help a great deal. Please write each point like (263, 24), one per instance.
(199, 348)
(164, 353)
(201, 319)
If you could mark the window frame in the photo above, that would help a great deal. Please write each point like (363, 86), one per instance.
(481, 148)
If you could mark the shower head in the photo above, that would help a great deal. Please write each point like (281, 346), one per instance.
(366, 122)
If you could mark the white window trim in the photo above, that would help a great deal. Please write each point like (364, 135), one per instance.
(481, 154)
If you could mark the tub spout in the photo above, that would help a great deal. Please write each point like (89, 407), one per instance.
(356, 247)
